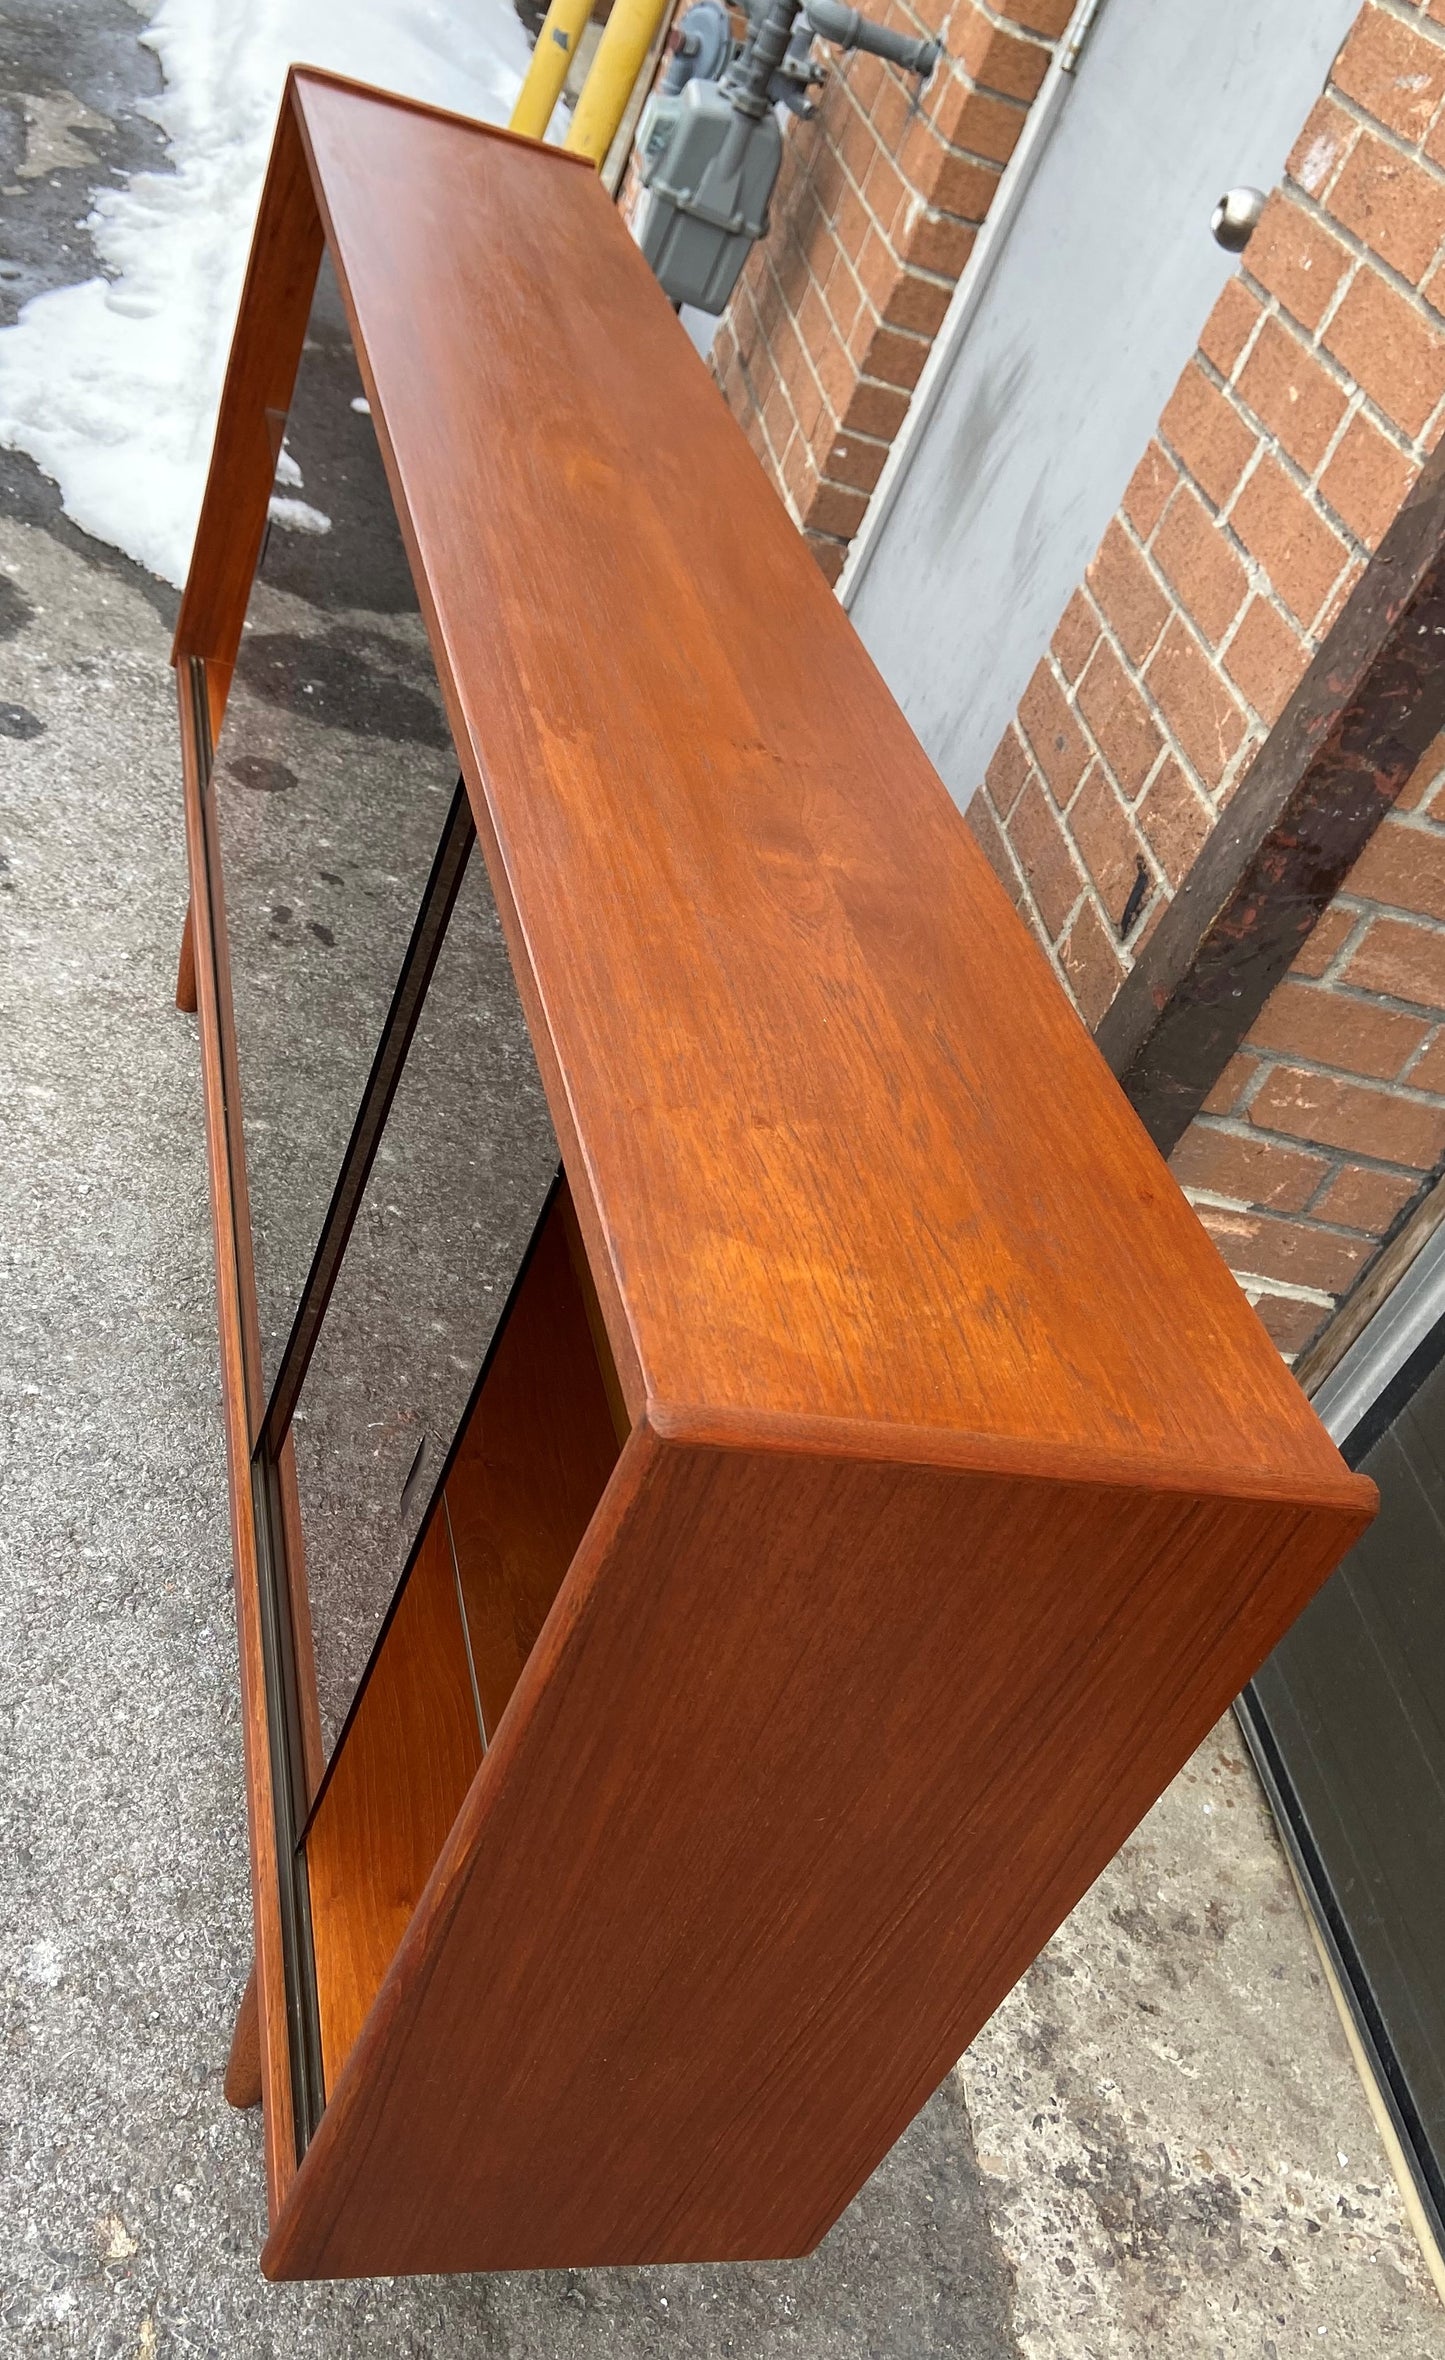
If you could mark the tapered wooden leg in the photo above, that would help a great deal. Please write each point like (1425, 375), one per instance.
(186, 970)
(243, 2066)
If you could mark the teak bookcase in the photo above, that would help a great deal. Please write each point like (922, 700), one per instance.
(874, 1485)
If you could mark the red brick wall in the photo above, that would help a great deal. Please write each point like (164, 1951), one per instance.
(878, 204)
(1284, 453)
(1330, 1121)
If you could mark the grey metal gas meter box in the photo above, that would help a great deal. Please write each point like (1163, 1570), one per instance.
(709, 174)
(709, 143)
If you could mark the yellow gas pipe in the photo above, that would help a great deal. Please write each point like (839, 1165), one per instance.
(563, 28)
(621, 54)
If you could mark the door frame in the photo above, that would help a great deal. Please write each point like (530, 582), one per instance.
(973, 285)
(1357, 1402)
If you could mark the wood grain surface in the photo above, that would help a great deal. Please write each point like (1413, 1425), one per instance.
(243, 2066)
(808, 1764)
(412, 1748)
(847, 1151)
(236, 1319)
(962, 1489)
(530, 1468)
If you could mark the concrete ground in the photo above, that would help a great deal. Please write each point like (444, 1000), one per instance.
(1158, 2148)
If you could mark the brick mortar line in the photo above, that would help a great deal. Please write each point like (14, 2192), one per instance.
(1283, 1290)
(1261, 585)
(803, 347)
(1092, 891)
(1086, 895)
(1179, 613)
(835, 144)
(1358, 400)
(1274, 1060)
(1367, 911)
(1071, 696)
(779, 457)
(757, 408)
(1134, 674)
(1124, 950)
(816, 286)
(1417, 1054)
(834, 147)
(1355, 245)
(1410, 152)
(1047, 42)
(1355, 995)
(1159, 882)
(1307, 485)
(1418, 823)
(954, 63)
(1335, 1172)
(1256, 1134)
(1039, 928)
(944, 213)
(1267, 296)
(1262, 314)
(856, 190)
(1400, 1081)
(965, 155)
(1218, 1202)
(865, 301)
(1261, 581)
(977, 89)
(1403, 14)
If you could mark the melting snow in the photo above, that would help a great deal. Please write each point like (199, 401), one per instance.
(298, 516)
(112, 386)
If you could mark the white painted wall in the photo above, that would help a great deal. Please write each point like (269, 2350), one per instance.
(1096, 303)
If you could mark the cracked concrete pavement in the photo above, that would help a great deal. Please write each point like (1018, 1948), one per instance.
(1157, 2148)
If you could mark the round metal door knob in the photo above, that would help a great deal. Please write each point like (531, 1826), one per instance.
(1236, 217)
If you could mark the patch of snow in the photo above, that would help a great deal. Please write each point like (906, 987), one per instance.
(297, 516)
(111, 386)
(287, 471)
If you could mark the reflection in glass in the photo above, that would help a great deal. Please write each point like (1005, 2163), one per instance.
(460, 1176)
(333, 775)
(333, 779)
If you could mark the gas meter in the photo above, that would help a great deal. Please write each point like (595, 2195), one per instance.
(709, 143)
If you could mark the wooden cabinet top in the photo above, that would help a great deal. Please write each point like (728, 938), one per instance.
(851, 1173)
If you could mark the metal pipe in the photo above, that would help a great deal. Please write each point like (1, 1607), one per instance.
(846, 29)
(562, 29)
(747, 78)
(621, 55)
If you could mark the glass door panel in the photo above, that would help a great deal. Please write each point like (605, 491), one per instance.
(332, 777)
(539, 1438)
(461, 1171)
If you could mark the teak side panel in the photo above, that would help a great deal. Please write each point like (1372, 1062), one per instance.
(809, 1762)
(849, 1151)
